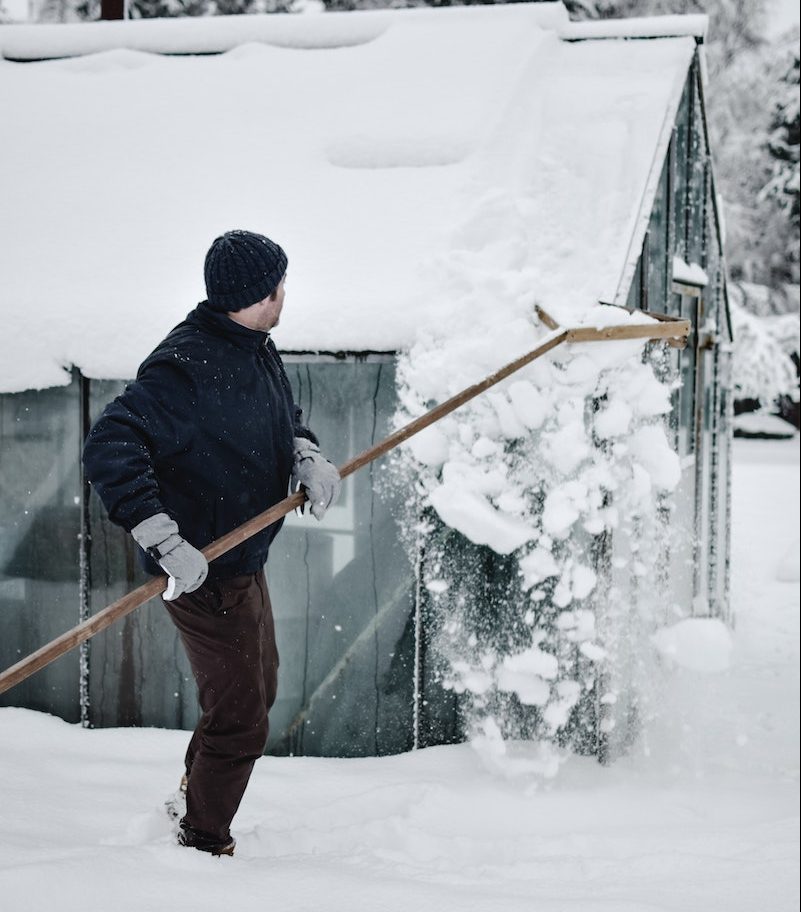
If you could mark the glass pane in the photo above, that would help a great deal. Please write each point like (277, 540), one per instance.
(687, 365)
(681, 143)
(722, 480)
(342, 589)
(697, 179)
(634, 300)
(39, 529)
(658, 247)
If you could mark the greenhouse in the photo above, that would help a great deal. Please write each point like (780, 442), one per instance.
(170, 132)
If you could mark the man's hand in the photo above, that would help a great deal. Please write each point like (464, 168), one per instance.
(318, 476)
(185, 565)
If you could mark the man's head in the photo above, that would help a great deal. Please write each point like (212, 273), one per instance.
(242, 269)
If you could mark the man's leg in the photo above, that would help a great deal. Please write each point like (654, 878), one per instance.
(227, 629)
(193, 744)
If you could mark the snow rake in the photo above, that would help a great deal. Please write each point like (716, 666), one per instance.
(672, 330)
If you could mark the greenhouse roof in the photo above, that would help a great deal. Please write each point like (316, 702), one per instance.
(390, 153)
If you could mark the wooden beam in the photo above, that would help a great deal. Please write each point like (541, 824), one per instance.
(128, 603)
(683, 288)
(673, 329)
(545, 318)
(667, 329)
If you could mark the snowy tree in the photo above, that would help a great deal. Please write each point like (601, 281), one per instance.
(783, 146)
(763, 368)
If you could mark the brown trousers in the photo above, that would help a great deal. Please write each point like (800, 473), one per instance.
(227, 629)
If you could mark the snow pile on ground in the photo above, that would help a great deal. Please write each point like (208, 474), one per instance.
(702, 644)
(703, 815)
(360, 165)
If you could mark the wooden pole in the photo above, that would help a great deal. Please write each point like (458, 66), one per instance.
(130, 602)
(672, 329)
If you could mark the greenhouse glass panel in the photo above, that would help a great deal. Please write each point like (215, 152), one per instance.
(687, 360)
(697, 183)
(342, 589)
(720, 581)
(657, 239)
(681, 151)
(634, 299)
(703, 480)
(39, 541)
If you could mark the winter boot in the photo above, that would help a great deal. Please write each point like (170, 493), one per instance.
(204, 842)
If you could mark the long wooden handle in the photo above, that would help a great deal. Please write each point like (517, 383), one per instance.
(128, 603)
(671, 329)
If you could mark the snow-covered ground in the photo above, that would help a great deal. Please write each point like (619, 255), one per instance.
(702, 816)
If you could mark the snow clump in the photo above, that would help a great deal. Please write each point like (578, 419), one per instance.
(518, 488)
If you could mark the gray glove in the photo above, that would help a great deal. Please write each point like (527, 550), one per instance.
(318, 476)
(185, 565)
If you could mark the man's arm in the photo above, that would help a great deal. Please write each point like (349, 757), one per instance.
(147, 422)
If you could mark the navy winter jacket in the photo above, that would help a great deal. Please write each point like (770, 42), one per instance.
(204, 434)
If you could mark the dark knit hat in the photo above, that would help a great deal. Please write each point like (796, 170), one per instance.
(242, 268)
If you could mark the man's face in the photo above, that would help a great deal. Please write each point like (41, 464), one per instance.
(275, 303)
(263, 315)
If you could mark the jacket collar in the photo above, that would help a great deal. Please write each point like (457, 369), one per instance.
(219, 324)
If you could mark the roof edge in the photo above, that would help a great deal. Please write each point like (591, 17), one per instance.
(640, 226)
(691, 26)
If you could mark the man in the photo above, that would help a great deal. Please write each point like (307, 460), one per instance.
(205, 438)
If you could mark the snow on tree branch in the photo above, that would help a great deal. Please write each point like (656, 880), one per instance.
(763, 368)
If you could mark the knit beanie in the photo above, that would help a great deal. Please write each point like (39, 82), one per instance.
(242, 268)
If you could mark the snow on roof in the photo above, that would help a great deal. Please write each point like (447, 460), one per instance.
(374, 163)
(695, 26)
(215, 34)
